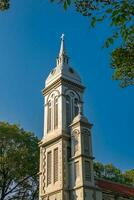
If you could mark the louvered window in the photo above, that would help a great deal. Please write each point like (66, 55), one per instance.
(86, 143)
(87, 171)
(55, 164)
(75, 143)
(49, 167)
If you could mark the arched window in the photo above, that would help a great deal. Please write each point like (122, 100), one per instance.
(68, 110)
(55, 112)
(86, 143)
(72, 108)
(75, 140)
(49, 116)
(76, 109)
(75, 143)
(87, 170)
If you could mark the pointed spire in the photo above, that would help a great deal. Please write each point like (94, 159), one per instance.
(62, 58)
(62, 47)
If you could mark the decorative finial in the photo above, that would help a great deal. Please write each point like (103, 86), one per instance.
(62, 36)
(80, 108)
(62, 59)
(62, 48)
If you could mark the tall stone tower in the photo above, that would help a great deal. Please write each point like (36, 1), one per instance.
(66, 159)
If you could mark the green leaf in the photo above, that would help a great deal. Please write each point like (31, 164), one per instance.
(68, 2)
(18, 150)
(115, 35)
(65, 5)
(93, 21)
(108, 42)
(109, 10)
(115, 12)
(101, 18)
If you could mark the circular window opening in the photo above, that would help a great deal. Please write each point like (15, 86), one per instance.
(53, 71)
(71, 70)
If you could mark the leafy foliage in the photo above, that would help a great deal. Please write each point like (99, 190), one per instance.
(110, 172)
(99, 169)
(4, 4)
(120, 16)
(129, 176)
(123, 63)
(19, 160)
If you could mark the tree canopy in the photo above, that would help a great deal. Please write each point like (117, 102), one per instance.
(19, 163)
(4, 4)
(120, 17)
(110, 172)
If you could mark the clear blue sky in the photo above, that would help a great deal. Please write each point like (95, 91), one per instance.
(29, 44)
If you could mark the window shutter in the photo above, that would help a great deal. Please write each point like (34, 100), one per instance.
(49, 167)
(55, 164)
(87, 171)
(86, 143)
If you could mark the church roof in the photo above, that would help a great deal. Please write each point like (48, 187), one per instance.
(117, 188)
(63, 68)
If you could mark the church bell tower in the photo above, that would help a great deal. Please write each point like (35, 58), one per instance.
(66, 159)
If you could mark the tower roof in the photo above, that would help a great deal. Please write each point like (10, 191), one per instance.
(63, 68)
(80, 118)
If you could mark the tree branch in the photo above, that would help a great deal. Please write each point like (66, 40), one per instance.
(19, 183)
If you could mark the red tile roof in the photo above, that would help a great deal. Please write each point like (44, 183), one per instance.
(115, 187)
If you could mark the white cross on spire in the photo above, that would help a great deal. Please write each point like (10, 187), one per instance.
(62, 36)
(62, 48)
(62, 59)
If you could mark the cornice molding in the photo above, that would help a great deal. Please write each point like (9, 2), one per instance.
(51, 193)
(82, 124)
(44, 143)
(65, 82)
(86, 187)
(81, 155)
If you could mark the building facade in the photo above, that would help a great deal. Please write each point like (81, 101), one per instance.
(66, 157)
